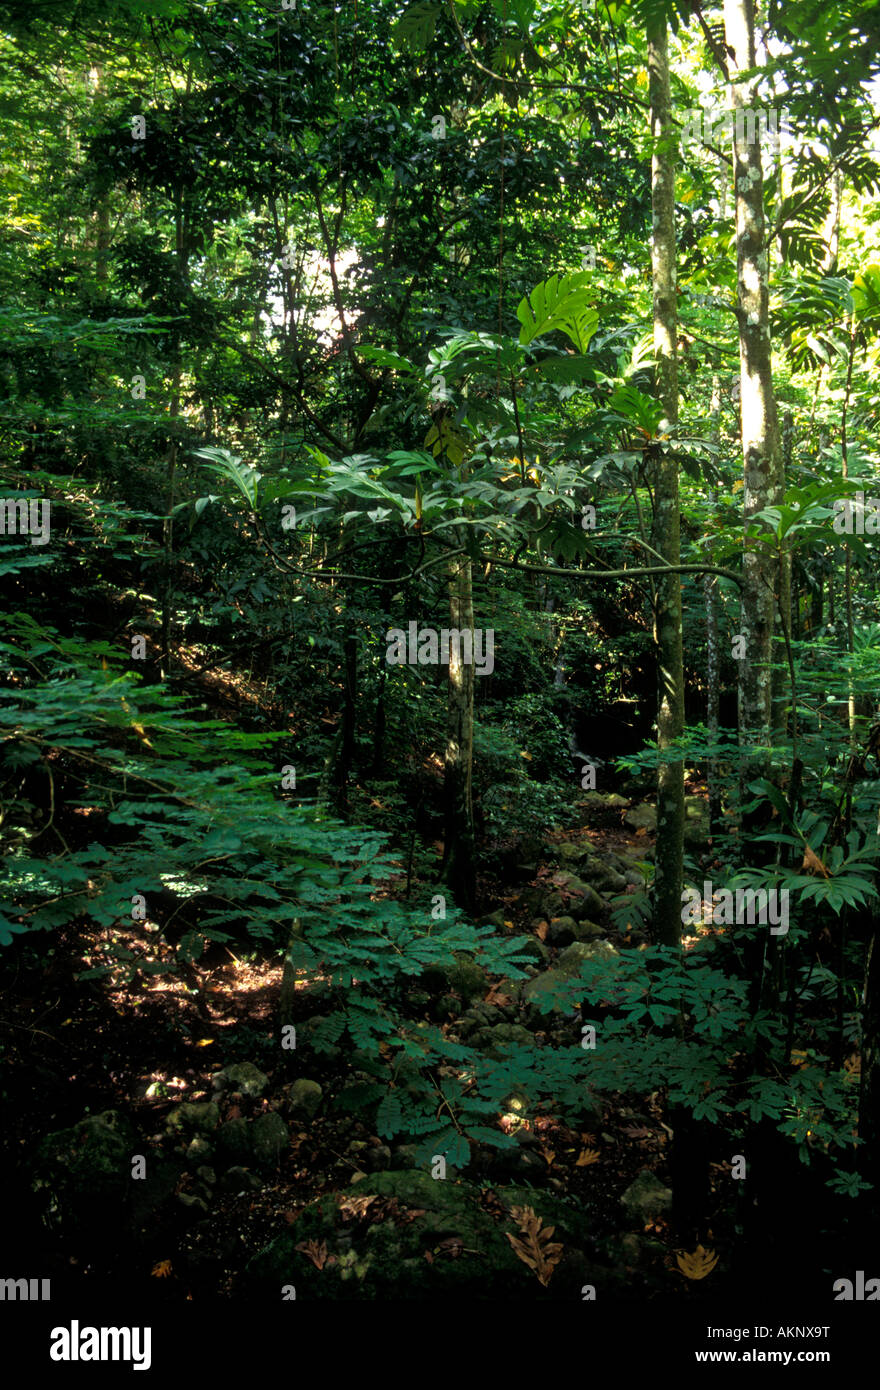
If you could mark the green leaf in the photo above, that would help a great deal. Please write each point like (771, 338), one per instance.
(561, 303)
(414, 31)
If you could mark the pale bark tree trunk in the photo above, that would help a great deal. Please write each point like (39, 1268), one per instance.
(710, 596)
(459, 865)
(668, 618)
(762, 455)
(688, 1159)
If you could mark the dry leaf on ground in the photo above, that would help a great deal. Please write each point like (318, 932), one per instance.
(697, 1264)
(537, 1249)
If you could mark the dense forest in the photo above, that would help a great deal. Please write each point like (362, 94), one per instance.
(440, 655)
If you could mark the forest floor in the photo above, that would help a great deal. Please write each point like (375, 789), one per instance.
(143, 1048)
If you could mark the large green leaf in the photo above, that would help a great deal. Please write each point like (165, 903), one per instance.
(561, 303)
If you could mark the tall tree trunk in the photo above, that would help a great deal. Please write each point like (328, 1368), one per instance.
(764, 582)
(688, 1159)
(713, 690)
(869, 1096)
(762, 455)
(670, 709)
(344, 750)
(459, 862)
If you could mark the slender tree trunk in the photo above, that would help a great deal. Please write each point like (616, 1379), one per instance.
(341, 772)
(869, 1097)
(459, 862)
(762, 456)
(688, 1159)
(710, 598)
(668, 618)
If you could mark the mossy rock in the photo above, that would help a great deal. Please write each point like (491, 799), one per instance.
(243, 1077)
(380, 1252)
(552, 984)
(603, 877)
(193, 1117)
(496, 1040)
(83, 1174)
(233, 1141)
(643, 817)
(269, 1137)
(462, 976)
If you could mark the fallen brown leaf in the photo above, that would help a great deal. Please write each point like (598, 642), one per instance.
(697, 1264)
(316, 1252)
(587, 1156)
(537, 1248)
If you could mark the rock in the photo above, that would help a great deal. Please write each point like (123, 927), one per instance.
(376, 1158)
(580, 897)
(207, 1175)
(233, 1139)
(535, 948)
(587, 931)
(462, 976)
(570, 854)
(551, 984)
(634, 878)
(197, 1206)
(404, 1156)
(602, 877)
(579, 951)
(642, 817)
(493, 919)
(83, 1174)
(385, 1259)
(467, 978)
(602, 801)
(241, 1076)
(639, 784)
(240, 1180)
(502, 1035)
(449, 1006)
(646, 1198)
(305, 1097)
(193, 1117)
(562, 931)
(199, 1150)
(269, 1137)
(631, 1248)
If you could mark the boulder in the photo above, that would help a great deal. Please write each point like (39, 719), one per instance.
(580, 897)
(643, 817)
(562, 931)
(269, 1137)
(233, 1140)
(496, 1040)
(588, 931)
(535, 947)
(602, 876)
(549, 991)
(193, 1117)
(646, 1198)
(239, 1180)
(305, 1097)
(83, 1174)
(243, 1077)
(570, 854)
(462, 976)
